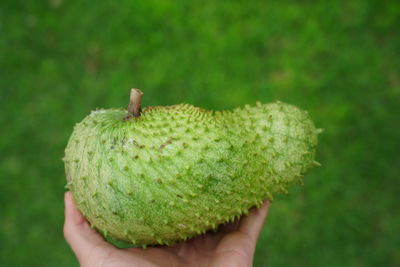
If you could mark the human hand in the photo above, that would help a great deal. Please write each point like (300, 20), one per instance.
(232, 245)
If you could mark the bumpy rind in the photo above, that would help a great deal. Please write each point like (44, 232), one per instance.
(178, 171)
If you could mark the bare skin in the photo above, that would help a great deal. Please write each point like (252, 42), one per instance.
(233, 245)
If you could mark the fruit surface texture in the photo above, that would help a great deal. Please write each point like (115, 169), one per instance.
(177, 171)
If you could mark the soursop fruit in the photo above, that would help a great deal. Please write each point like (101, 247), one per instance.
(168, 173)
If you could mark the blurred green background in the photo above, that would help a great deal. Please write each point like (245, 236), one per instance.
(340, 60)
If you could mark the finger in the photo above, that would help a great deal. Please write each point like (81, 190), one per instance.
(72, 214)
(223, 230)
(78, 233)
(231, 233)
(252, 224)
(229, 227)
(240, 245)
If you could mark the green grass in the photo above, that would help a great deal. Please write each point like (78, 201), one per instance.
(337, 59)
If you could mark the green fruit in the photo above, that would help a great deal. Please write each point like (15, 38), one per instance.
(175, 172)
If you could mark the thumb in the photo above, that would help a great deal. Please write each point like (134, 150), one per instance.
(83, 240)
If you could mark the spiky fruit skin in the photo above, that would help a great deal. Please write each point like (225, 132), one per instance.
(178, 171)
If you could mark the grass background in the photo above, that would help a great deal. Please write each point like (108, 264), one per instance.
(337, 59)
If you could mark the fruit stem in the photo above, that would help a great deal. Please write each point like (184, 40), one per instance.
(135, 102)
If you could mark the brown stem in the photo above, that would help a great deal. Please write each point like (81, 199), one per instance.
(135, 101)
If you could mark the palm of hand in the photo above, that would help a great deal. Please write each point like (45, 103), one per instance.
(233, 244)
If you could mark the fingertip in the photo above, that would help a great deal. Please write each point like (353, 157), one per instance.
(253, 223)
(67, 198)
(263, 210)
(78, 233)
(72, 214)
